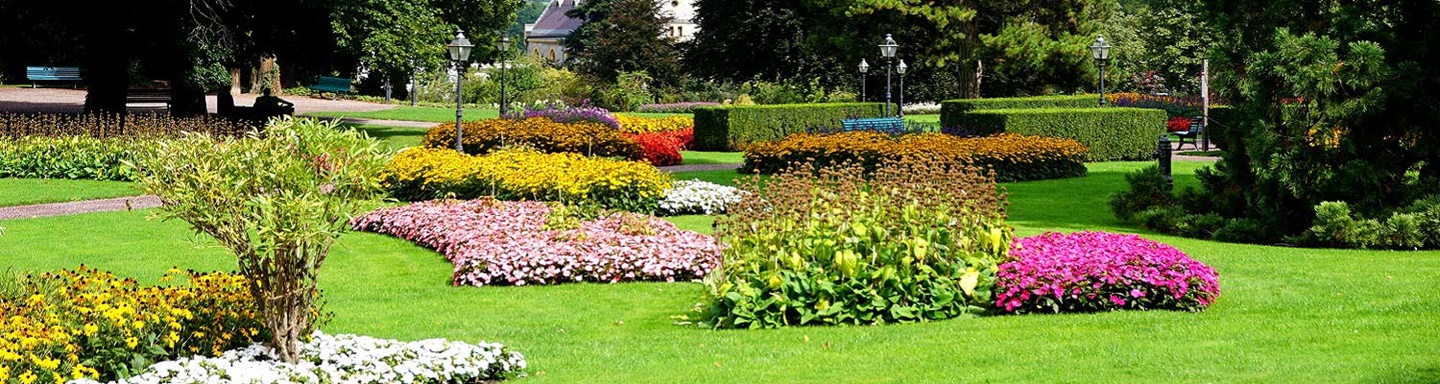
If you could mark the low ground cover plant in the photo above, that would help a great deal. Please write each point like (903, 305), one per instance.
(1099, 271)
(913, 241)
(517, 243)
(539, 133)
(345, 359)
(72, 157)
(1013, 157)
(86, 323)
(698, 197)
(424, 174)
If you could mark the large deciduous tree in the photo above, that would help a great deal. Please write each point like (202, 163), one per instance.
(622, 36)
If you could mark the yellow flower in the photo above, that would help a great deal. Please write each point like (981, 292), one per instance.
(131, 342)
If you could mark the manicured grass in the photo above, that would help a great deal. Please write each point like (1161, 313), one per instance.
(15, 192)
(923, 119)
(1285, 315)
(723, 176)
(697, 157)
(394, 138)
(407, 113)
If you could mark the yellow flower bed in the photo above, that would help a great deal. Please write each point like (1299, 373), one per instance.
(540, 133)
(424, 173)
(90, 324)
(1014, 157)
(639, 124)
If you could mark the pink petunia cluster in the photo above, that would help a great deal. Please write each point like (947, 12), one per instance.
(496, 243)
(1099, 271)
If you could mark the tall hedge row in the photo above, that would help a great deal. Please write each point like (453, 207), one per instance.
(950, 110)
(1110, 133)
(732, 127)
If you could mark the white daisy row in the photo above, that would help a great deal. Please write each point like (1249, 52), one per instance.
(344, 359)
(696, 196)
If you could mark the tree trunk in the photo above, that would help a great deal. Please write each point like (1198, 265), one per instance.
(970, 66)
(107, 59)
(234, 81)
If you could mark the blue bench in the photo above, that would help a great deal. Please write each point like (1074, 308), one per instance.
(1197, 127)
(332, 85)
(52, 74)
(890, 125)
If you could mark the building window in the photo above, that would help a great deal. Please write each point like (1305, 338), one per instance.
(552, 54)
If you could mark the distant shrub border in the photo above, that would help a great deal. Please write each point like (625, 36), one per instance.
(951, 110)
(1013, 157)
(735, 127)
(1099, 271)
(1110, 133)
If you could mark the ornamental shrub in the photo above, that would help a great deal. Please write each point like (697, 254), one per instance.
(737, 126)
(687, 107)
(539, 133)
(914, 241)
(425, 173)
(72, 157)
(641, 124)
(1414, 227)
(1098, 271)
(1148, 189)
(518, 243)
(1013, 157)
(1110, 133)
(660, 149)
(565, 114)
(86, 323)
(952, 110)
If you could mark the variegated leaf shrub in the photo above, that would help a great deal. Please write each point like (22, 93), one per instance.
(517, 243)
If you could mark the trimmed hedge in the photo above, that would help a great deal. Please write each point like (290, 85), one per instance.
(1110, 133)
(951, 110)
(734, 127)
(1013, 157)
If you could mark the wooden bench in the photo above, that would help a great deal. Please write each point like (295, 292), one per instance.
(52, 74)
(332, 85)
(889, 125)
(150, 97)
(1197, 127)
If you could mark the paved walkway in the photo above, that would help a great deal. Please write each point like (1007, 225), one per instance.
(390, 123)
(78, 207)
(699, 167)
(63, 100)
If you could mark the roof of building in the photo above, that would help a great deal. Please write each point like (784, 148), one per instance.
(553, 22)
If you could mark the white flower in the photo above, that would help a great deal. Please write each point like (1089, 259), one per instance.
(695, 196)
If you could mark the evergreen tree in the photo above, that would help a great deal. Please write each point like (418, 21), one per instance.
(622, 36)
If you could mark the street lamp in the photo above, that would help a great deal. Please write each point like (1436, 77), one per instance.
(459, 50)
(864, 67)
(887, 49)
(900, 69)
(504, 54)
(1101, 52)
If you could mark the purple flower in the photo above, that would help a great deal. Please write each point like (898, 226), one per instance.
(1096, 271)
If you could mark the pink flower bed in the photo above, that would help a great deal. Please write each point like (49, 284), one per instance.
(492, 242)
(1098, 271)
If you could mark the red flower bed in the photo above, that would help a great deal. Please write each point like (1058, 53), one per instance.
(1178, 124)
(663, 148)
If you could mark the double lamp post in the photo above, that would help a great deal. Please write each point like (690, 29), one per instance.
(887, 50)
(459, 50)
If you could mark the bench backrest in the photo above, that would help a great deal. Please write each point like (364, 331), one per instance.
(47, 73)
(334, 82)
(891, 125)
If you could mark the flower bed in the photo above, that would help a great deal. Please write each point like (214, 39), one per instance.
(345, 359)
(542, 134)
(423, 173)
(518, 243)
(1178, 124)
(1098, 271)
(92, 324)
(640, 124)
(564, 114)
(71, 157)
(1013, 157)
(698, 197)
(687, 107)
(660, 149)
(93, 125)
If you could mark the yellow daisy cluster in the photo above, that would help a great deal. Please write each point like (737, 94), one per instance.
(539, 133)
(83, 323)
(1022, 157)
(638, 124)
(518, 174)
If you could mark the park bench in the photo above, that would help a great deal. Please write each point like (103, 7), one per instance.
(889, 125)
(149, 97)
(52, 74)
(1197, 127)
(332, 85)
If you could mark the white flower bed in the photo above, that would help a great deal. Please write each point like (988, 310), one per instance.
(695, 196)
(344, 359)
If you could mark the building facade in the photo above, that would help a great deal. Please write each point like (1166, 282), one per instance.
(543, 37)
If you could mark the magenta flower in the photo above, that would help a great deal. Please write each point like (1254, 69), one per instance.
(1098, 271)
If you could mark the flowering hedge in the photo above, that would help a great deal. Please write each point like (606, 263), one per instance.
(345, 359)
(687, 107)
(698, 197)
(1098, 271)
(640, 124)
(492, 242)
(86, 323)
(1013, 157)
(423, 173)
(539, 133)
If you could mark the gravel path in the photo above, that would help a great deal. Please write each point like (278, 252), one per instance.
(64, 100)
(78, 207)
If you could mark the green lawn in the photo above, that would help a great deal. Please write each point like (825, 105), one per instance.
(407, 113)
(923, 119)
(1286, 315)
(698, 157)
(723, 176)
(394, 138)
(15, 192)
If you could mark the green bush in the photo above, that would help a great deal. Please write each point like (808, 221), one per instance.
(1148, 189)
(913, 242)
(951, 110)
(74, 157)
(1110, 133)
(733, 127)
(1414, 227)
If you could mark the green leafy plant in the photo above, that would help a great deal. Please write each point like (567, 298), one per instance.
(1110, 133)
(1148, 189)
(733, 127)
(916, 241)
(952, 110)
(276, 201)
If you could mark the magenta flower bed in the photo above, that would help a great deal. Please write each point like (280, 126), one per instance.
(497, 243)
(1099, 271)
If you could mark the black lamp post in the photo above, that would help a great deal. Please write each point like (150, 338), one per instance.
(459, 50)
(887, 49)
(864, 67)
(1101, 52)
(900, 69)
(504, 54)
